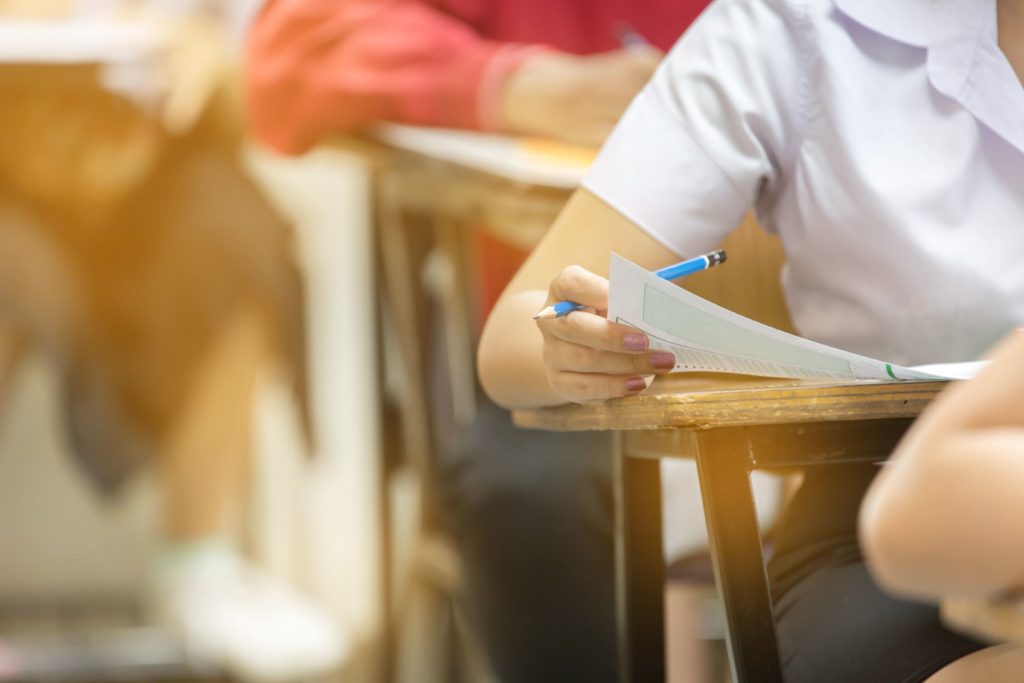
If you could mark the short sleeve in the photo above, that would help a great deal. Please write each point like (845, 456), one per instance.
(716, 129)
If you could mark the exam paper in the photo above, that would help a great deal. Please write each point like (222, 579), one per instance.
(502, 155)
(708, 338)
(79, 41)
(963, 370)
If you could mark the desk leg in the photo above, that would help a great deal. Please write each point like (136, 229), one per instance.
(640, 568)
(724, 466)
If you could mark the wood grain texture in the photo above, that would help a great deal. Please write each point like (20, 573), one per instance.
(514, 212)
(708, 401)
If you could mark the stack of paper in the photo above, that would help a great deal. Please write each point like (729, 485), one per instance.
(708, 338)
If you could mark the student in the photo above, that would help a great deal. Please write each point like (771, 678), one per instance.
(942, 519)
(530, 512)
(158, 284)
(554, 69)
(885, 145)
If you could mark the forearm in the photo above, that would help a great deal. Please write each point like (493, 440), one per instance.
(945, 519)
(942, 517)
(318, 68)
(510, 360)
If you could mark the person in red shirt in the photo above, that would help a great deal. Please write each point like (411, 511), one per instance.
(530, 511)
(541, 67)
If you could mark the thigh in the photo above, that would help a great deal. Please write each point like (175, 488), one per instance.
(997, 664)
(834, 623)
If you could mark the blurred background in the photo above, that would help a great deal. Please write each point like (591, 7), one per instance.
(164, 512)
(243, 267)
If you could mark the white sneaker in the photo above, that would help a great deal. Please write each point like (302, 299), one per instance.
(245, 621)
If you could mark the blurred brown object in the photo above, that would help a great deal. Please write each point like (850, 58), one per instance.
(130, 311)
(125, 248)
(36, 9)
(76, 148)
(70, 147)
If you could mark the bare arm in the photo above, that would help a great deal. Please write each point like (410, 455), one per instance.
(944, 517)
(583, 355)
(317, 68)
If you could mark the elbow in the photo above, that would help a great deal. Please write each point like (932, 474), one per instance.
(489, 361)
(903, 536)
(488, 383)
(510, 355)
(886, 544)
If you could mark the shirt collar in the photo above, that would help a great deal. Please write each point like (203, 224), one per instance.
(921, 23)
(964, 59)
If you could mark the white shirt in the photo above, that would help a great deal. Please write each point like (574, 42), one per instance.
(883, 140)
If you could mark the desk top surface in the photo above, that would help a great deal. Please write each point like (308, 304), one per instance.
(80, 41)
(706, 401)
(521, 160)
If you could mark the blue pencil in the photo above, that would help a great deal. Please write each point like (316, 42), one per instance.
(629, 38)
(673, 272)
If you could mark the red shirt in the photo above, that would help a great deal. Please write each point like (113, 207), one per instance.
(319, 67)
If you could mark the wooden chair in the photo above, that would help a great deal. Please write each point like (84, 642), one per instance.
(423, 269)
(748, 283)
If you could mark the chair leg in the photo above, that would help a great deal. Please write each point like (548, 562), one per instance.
(424, 644)
(640, 569)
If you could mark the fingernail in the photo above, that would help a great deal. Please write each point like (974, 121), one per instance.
(635, 384)
(635, 341)
(663, 360)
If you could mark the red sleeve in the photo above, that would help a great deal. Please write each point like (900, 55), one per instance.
(319, 67)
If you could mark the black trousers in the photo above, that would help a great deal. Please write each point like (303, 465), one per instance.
(834, 623)
(531, 513)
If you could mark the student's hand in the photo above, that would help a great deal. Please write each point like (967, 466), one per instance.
(572, 98)
(586, 356)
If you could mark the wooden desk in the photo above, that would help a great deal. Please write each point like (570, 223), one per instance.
(431, 194)
(731, 425)
(432, 190)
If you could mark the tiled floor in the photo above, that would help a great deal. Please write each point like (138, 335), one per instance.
(89, 639)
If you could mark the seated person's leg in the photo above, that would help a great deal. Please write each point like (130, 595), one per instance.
(203, 459)
(997, 664)
(127, 283)
(159, 323)
(218, 265)
(531, 512)
(227, 611)
(834, 623)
